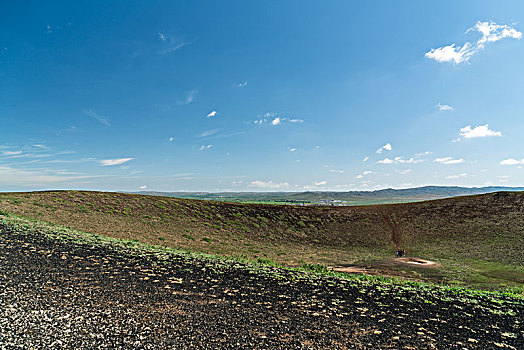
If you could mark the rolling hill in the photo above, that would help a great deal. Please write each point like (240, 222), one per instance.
(474, 240)
(384, 196)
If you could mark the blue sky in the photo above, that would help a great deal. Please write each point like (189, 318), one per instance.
(260, 96)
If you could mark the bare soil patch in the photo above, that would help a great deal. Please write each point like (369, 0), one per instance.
(417, 261)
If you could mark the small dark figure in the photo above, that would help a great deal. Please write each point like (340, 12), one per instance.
(400, 253)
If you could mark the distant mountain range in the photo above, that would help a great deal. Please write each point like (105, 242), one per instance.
(388, 195)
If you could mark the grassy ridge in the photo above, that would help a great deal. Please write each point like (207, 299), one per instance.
(475, 240)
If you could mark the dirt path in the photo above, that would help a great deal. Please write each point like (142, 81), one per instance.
(59, 294)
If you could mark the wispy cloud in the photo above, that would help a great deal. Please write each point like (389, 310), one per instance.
(444, 108)
(478, 131)
(490, 32)
(244, 84)
(365, 159)
(400, 160)
(97, 116)
(10, 153)
(386, 147)
(321, 183)
(204, 147)
(117, 161)
(208, 133)
(171, 139)
(503, 178)
(292, 149)
(69, 161)
(170, 44)
(190, 97)
(459, 176)
(274, 119)
(336, 171)
(40, 177)
(212, 114)
(269, 184)
(449, 160)
(512, 161)
(20, 154)
(221, 136)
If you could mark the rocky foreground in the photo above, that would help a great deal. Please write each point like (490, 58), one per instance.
(61, 289)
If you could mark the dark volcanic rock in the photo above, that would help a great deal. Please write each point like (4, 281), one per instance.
(58, 293)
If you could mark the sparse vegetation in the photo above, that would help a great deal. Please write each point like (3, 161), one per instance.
(474, 241)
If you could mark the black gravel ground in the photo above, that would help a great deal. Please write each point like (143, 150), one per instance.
(60, 293)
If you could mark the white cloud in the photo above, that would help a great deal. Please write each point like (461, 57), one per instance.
(367, 172)
(97, 116)
(490, 32)
(336, 171)
(292, 149)
(203, 147)
(365, 159)
(403, 172)
(269, 184)
(171, 139)
(442, 107)
(512, 161)
(451, 53)
(386, 161)
(118, 161)
(449, 160)
(212, 114)
(463, 175)
(386, 147)
(143, 187)
(240, 84)
(273, 119)
(320, 183)
(400, 160)
(478, 131)
(408, 161)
